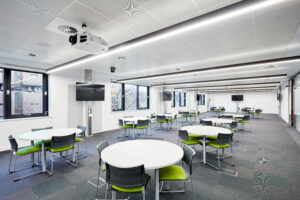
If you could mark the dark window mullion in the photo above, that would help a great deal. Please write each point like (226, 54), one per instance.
(123, 96)
(7, 94)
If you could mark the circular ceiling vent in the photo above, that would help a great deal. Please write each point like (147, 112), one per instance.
(67, 29)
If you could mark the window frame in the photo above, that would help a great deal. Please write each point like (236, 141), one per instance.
(201, 102)
(137, 97)
(7, 114)
(184, 99)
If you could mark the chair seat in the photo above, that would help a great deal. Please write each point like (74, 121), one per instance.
(194, 115)
(127, 126)
(60, 149)
(243, 122)
(191, 141)
(232, 129)
(79, 140)
(28, 150)
(141, 127)
(172, 120)
(214, 138)
(162, 121)
(172, 173)
(47, 143)
(215, 145)
(134, 189)
(197, 137)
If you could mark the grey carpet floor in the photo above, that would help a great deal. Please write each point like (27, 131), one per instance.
(267, 159)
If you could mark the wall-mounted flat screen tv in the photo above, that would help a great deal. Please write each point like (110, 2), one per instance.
(167, 96)
(198, 97)
(237, 97)
(89, 92)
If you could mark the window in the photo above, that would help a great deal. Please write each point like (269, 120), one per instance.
(201, 102)
(117, 96)
(129, 97)
(173, 99)
(143, 97)
(182, 99)
(1, 93)
(26, 96)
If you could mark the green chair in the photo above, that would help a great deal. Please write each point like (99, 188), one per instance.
(176, 173)
(161, 119)
(18, 152)
(186, 116)
(79, 140)
(127, 180)
(124, 127)
(184, 138)
(258, 112)
(245, 120)
(142, 125)
(61, 144)
(223, 142)
(47, 142)
(173, 120)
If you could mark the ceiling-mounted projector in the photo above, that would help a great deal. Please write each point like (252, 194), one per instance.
(87, 42)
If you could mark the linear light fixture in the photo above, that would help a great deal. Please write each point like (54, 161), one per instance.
(218, 68)
(173, 31)
(238, 91)
(245, 88)
(231, 85)
(268, 77)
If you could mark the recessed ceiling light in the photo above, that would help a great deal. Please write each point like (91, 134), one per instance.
(31, 54)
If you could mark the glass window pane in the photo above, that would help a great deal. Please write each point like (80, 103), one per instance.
(1, 93)
(182, 98)
(130, 97)
(143, 97)
(176, 99)
(26, 93)
(116, 96)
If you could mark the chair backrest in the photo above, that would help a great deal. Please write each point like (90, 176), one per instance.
(179, 112)
(83, 129)
(63, 141)
(224, 138)
(234, 124)
(102, 145)
(227, 116)
(175, 117)
(160, 117)
(39, 129)
(144, 122)
(212, 108)
(188, 156)
(246, 118)
(13, 143)
(186, 114)
(207, 123)
(121, 122)
(183, 135)
(152, 115)
(125, 177)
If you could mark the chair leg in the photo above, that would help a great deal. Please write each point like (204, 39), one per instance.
(10, 162)
(144, 193)
(52, 160)
(98, 181)
(113, 195)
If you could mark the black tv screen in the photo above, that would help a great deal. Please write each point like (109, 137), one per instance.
(89, 92)
(167, 96)
(237, 97)
(198, 97)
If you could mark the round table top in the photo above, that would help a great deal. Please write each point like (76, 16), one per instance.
(219, 120)
(205, 130)
(47, 134)
(154, 154)
(170, 115)
(233, 115)
(134, 119)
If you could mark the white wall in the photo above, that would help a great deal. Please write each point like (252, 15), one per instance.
(60, 111)
(284, 103)
(266, 101)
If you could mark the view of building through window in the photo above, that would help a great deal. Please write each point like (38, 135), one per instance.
(1, 93)
(26, 93)
(116, 96)
(143, 97)
(130, 97)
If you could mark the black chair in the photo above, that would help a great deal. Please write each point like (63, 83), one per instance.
(102, 167)
(183, 174)
(206, 123)
(80, 140)
(127, 180)
(17, 152)
(245, 120)
(161, 119)
(61, 144)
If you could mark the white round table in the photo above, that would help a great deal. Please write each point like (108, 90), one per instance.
(219, 120)
(47, 134)
(168, 115)
(205, 131)
(153, 154)
(233, 115)
(134, 119)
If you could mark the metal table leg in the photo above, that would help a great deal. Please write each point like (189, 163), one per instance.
(43, 157)
(156, 184)
(204, 149)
